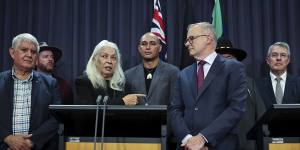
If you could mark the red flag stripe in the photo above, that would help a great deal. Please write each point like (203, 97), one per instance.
(158, 26)
(161, 38)
(159, 19)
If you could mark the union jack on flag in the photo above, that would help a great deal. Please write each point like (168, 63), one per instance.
(158, 27)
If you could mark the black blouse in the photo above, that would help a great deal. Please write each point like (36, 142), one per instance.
(86, 94)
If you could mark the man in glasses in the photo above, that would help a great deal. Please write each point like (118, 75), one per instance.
(209, 95)
(152, 81)
(279, 87)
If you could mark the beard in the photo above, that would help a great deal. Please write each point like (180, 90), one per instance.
(46, 68)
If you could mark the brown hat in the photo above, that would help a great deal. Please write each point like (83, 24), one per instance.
(224, 46)
(56, 51)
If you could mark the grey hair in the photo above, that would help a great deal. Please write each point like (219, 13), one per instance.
(117, 81)
(207, 28)
(280, 44)
(25, 37)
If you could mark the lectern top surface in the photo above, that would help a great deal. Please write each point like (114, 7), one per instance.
(108, 107)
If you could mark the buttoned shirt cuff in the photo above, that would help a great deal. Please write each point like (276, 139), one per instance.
(186, 138)
(203, 137)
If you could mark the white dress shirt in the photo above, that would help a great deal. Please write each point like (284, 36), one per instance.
(282, 82)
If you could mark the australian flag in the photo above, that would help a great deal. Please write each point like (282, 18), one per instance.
(158, 28)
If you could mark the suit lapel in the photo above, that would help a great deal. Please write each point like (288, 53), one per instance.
(190, 75)
(10, 92)
(140, 77)
(288, 85)
(192, 80)
(213, 71)
(34, 93)
(269, 89)
(156, 78)
(10, 89)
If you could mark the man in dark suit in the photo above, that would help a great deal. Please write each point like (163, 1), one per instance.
(206, 106)
(255, 106)
(25, 122)
(47, 58)
(153, 78)
(152, 81)
(279, 87)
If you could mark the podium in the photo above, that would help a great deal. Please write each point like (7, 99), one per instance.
(278, 128)
(123, 124)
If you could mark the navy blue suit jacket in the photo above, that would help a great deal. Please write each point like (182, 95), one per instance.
(216, 109)
(291, 93)
(43, 126)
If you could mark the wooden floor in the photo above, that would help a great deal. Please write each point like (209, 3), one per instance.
(112, 146)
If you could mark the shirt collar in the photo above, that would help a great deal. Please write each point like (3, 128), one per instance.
(283, 76)
(210, 58)
(13, 74)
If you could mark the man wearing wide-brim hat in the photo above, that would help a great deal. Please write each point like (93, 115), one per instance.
(225, 48)
(48, 56)
(254, 104)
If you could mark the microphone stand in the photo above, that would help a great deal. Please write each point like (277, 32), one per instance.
(96, 122)
(105, 99)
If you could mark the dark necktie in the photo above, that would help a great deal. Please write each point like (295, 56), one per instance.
(200, 75)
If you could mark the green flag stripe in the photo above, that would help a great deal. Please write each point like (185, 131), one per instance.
(217, 19)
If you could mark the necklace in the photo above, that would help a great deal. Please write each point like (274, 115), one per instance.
(149, 75)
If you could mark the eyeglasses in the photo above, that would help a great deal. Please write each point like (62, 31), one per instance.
(190, 39)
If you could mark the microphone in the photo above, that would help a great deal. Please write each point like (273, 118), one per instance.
(98, 100)
(105, 99)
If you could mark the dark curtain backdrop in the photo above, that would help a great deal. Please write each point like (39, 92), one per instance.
(76, 26)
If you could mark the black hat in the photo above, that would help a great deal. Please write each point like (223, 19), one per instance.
(224, 46)
(56, 51)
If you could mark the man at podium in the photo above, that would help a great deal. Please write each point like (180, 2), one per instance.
(279, 87)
